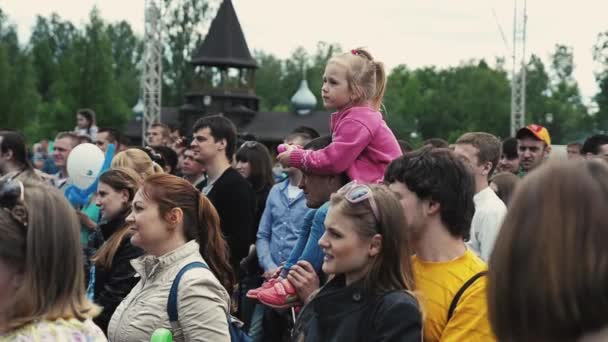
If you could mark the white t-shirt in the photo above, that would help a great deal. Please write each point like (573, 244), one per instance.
(293, 191)
(490, 211)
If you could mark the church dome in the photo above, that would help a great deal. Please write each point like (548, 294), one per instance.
(303, 101)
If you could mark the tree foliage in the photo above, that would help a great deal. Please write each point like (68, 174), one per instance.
(185, 23)
(63, 67)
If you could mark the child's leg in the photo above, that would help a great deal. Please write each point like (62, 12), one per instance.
(298, 249)
(283, 294)
(312, 251)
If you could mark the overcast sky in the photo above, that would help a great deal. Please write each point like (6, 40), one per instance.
(412, 32)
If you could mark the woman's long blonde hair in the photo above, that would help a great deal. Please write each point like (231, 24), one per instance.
(48, 254)
(137, 160)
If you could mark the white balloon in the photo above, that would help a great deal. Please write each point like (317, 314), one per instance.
(84, 164)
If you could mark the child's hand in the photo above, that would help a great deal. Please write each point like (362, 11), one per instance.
(283, 158)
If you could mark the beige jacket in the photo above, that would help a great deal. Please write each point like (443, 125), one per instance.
(202, 302)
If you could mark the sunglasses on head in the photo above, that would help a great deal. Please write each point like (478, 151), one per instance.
(249, 144)
(12, 200)
(355, 192)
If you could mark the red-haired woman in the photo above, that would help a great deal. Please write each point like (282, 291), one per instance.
(176, 225)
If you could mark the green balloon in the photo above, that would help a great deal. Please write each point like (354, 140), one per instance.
(162, 335)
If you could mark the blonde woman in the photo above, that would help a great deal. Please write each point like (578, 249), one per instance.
(137, 160)
(42, 295)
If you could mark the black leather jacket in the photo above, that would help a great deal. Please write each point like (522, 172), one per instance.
(350, 313)
(114, 284)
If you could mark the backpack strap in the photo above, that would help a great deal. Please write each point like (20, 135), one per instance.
(172, 301)
(460, 292)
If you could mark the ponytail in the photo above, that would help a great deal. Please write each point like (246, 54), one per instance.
(201, 221)
(213, 246)
(366, 77)
(380, 85)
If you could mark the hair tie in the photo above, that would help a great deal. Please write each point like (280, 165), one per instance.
(354, 52)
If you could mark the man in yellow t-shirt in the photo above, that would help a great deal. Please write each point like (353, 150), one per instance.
(436, 191)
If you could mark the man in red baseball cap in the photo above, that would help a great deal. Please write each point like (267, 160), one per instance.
(534, 146)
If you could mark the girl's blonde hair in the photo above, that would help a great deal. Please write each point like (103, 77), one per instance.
(48, 254)
(366, 77)
(137, 160)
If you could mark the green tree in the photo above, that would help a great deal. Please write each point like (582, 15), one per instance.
(446, 103)
(537, 90)
(18, 95)
(97, 87)
(185, 23)
(127, 51)
(600, 56)
(270, 70)
(569, 117)
(51, 39)
(277, 80)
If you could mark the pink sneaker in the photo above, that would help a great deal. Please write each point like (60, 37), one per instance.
(282, 295)
(253, 294)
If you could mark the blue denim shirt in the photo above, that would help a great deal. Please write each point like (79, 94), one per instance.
(279, 225)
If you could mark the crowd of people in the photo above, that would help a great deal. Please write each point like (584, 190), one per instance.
(350, 237)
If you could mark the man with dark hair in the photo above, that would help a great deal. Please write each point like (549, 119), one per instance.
(573, 150)
(214, 143)
(13, 157)
(596, 146)
(64, 143)
(436, 143)
(169, 156)
(509, 159)
(158, 134)
(309, 131)
(534, 146)
(436, 191)
(405, 146)
(481, 152)
(107, 136)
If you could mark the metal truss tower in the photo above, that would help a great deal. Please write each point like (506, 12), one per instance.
(518, 77)
(152, 65)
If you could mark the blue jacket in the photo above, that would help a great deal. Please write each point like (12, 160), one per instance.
(278, 230)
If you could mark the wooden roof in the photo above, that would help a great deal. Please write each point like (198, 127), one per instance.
(225, 44)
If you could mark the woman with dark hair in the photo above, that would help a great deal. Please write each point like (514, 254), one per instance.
(368, 255)
(548, 273)
(254, 163)
(85, 123)
(111, 276)
(176, 225)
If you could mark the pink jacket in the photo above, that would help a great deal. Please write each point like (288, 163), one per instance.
(362, 145)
